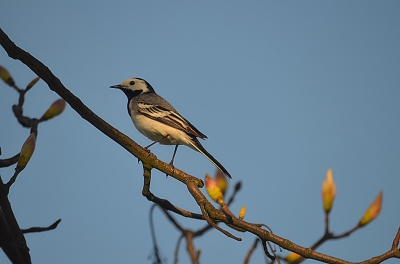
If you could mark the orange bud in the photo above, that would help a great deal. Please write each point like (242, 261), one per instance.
(6, 77)
(328, 191)
(373, 210)
(292, 257)
(222, 183)
(55, 109)
(26, 151)
(242, 212)
(213, 190)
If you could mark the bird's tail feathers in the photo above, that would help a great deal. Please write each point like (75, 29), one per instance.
(196, 145)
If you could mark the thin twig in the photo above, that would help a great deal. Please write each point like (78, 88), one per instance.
(159, 259)
(251, 250)
(176, 254)
(210, 222)
(13, 178)
(264, 244)
(238, 186)
(9, 162)
(172, 220)
(396, 239)
(163, 202)
(190, 247)
(41, 229)
(327, 236)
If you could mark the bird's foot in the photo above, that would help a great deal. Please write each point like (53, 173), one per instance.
(148, 153)
(173, 168)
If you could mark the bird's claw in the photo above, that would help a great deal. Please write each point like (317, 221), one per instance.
(173, 168)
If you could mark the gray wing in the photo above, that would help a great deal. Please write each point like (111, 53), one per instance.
(166, 114)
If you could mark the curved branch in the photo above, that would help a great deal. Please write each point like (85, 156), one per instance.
(9, 162)
(178, 243)
(165, 204)
(41, 229)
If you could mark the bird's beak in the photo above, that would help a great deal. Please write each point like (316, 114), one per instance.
(118, 86)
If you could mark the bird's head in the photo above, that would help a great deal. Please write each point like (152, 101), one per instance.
(134, 86)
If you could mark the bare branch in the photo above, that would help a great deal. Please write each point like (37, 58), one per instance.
(395, 243)
(16, 233)
(9, 162)
(176, 254)
(189, 246)
(41, 229)
(251, 250)
(264, 244)
(165, 204)
(5, 238)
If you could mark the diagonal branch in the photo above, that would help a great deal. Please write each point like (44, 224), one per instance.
(6, 241)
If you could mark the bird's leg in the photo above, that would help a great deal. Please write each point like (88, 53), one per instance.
(147, 148)
(156, 142)
(173, 156)
(172, 160)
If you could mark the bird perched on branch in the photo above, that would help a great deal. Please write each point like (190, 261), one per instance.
(158, 120)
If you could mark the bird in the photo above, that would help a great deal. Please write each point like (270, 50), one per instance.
(159, 121)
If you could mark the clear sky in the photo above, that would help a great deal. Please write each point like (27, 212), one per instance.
(282, 89)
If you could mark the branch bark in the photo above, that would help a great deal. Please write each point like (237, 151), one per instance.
(16, 234)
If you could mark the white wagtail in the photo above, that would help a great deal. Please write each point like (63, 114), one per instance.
(158, 120)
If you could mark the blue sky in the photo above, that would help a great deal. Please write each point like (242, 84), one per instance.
(282, 89)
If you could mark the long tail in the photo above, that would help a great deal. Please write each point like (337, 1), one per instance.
(196, 145)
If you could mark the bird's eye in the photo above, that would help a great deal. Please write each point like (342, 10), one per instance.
(132, 83)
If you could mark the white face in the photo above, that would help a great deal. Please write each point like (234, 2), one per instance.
(135, 84)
